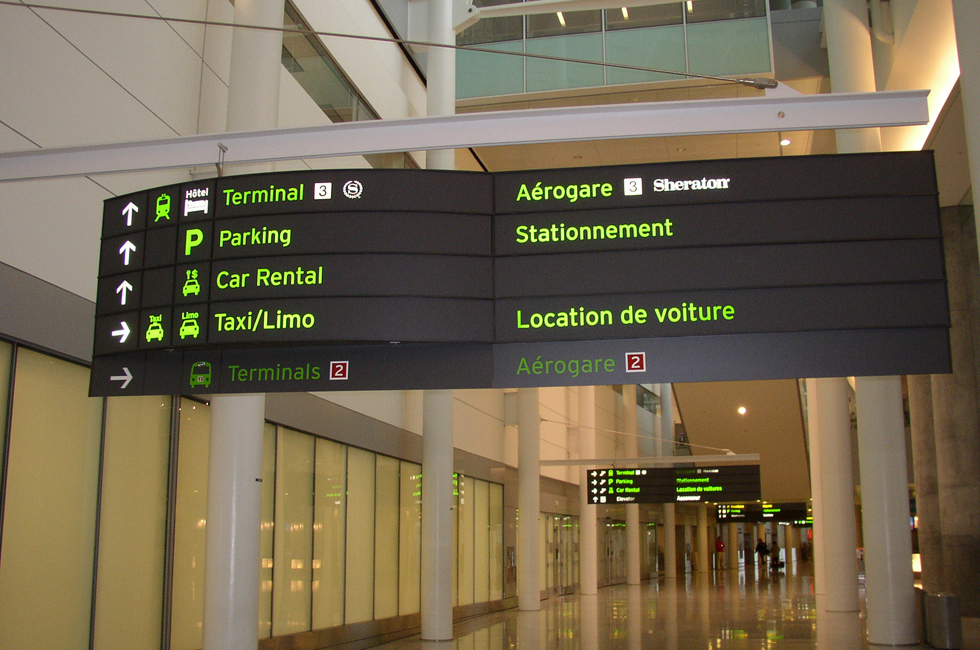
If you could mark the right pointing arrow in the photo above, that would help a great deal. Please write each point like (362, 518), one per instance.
(125, 378)
(122, 332)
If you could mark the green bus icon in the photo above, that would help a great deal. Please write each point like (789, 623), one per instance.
(201, 374)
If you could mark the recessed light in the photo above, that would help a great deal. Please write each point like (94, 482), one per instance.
(784, 142)
(626, 14)
(741, 410)
(561, 18)
(681, 149)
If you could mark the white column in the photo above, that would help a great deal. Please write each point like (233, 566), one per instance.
(437, 515)
(588, 529)
(834, 534)
(631, 450)
(851, 65)
(528, 499)
(885, 509)
(231, 564)
(703, 564)
(440, 95)
(231, 556)
(670, 540)
(966, 16)
(731, 548)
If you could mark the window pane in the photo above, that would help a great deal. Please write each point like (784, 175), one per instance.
(410, 539)
(329, 533)
(360, 536)
(496, 541)
(465, 525)
(564, 23)
(660, 48)
(189, 534)
(481, 541)
(729, 47)
(5, 355)
(291, 593)
(655, 16)
(49, 514)
(385, 544)
(492, 30)
(544, 74)
(708, 10)
(133, 523)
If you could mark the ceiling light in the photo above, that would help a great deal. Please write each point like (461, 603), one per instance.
(690, 6)
(561, 19)
(626, 14)
(741, 410)
(784, 142)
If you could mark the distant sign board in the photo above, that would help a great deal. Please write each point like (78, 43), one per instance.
(675, 484)
(736, 269)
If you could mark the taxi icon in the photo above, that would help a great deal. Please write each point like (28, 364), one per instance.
(155, 330)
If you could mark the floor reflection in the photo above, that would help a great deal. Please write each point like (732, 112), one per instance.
(723, 610)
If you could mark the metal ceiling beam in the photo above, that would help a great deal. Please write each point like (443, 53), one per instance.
(566, 124)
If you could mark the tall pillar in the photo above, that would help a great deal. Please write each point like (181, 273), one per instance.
(834, 535)
(885, 510)
(966, 16)
(231, 565)
(440, 94)
(437, 515)
(670, 540)
(631, 450)
(588, 529)
(955, 418)
(703, 564)
(528, 499)
(926, 483)
(731, 546)
(231, 556)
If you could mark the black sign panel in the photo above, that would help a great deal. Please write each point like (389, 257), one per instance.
(759, 513)
(689, 271)
(675, 484)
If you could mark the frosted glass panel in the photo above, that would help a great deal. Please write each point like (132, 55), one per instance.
(267, 529)
(655, 47)
(329, 533)
(553, 75)
(729, 47)
(496, 541)
(360, 536)
(191, 518)
(385, 543)
(481, 541)
(49, 512)
(132, 523)
(465, 525)
(5, 355)
(483, 74)
(410, 539)
(291, 591)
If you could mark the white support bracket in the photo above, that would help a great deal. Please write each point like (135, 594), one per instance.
(566, 124)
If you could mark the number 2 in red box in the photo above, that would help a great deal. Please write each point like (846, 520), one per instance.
(636, 362)
(339, 370)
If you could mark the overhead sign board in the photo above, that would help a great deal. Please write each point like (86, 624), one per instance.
(675, 484)
(762, 512)
(596, 275)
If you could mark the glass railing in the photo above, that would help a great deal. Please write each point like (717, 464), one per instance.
(706, 37)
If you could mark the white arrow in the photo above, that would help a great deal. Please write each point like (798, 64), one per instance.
(125, 250)
(122, 289)
(122, 332)
(125, 378)
(128, 212)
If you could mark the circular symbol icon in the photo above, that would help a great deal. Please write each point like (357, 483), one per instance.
(353, 189)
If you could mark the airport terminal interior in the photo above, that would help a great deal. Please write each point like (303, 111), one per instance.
(190, 519)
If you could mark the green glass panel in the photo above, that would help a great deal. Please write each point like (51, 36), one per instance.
(654, 47)
(485, 74)
(557, 75)
(729, 47)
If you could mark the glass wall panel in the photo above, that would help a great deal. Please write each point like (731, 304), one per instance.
(410, 539)
(481, 541)
(729, 47)
(465, 521)
(329, 534)
(483, 74)
(191, 518)
(267, 529)
(564, 23)
(132, 523)
(492, 30)
(49, 517)
(654, 47)
(496, 541)
(6, 351)
(553, 75)
(359, 592)
(385, 544)
(711, 10)
(635, 17)
(545, 537)
(291, 592)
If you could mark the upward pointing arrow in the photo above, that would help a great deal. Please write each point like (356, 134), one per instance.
(125, 250)
(122, 289)
(128, 212)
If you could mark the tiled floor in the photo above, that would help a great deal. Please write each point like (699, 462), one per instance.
(721, 611)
